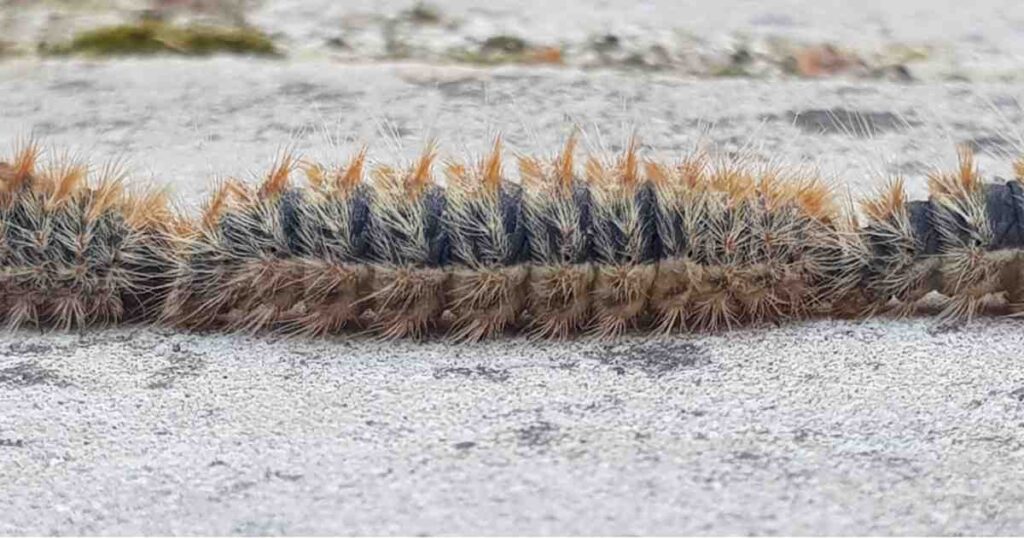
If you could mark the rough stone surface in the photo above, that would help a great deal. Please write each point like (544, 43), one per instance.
(821, 427)
(186, 122)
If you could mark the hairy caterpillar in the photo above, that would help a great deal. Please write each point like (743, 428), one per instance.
(598, 248)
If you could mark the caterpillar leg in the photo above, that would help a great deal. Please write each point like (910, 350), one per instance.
(560, 300)
(332, 297)
(487, 301)
(407, 302)
(620, 296)
(672, 294)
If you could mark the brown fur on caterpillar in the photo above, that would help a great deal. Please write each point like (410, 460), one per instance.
(612, 245)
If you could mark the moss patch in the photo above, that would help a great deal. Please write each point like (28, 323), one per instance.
(153, 37)
(507, 49)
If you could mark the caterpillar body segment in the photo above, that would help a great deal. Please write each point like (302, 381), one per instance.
(557, 211)
(487, 234)
(625, 248)
(234, 271)
(330, 241)
(964, 242)
(902, 263)
(409, 246)
(980, 233)
(601, 248)
(76, 250)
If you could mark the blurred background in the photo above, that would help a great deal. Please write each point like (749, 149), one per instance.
(196, 88)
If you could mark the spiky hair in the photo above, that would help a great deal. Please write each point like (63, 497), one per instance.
(616, 243)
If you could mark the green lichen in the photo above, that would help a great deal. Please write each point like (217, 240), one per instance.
(495, 50)
(155, 37)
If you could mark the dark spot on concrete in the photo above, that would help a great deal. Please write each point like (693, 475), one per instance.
(184, 364)
(48, 128)
(908, 168)
(218, 463)
(316, 92)
(73, 85)
(29, 374)
(859, 123)
(237, 487)
(1006, 102)
(992, 145)
(11, 443)
(465, 445)
(656, 357)
(857, 90)
(95, 338)
(607, 402)
(497, 375)
(289, 477)
(458, 89)
(1018, 394)
(298, 89)
(746, 455)
(28, 348)
(260, 528)
(537, 435)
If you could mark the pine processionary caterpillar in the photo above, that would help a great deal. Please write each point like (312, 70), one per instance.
(598, 248)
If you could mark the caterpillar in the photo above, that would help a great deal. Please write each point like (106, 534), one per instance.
(598, 248)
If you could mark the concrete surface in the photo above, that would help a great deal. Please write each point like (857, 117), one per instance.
(880, 427)
(817, 428)
(185, 122)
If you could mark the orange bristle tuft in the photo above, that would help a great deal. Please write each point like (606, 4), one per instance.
(420, 176)
(316, 175)
(564, 165)
(149, 209)
(229, 192)
(969, 177)
(353, 174)
(657, 173)
(889, 201)
(107, 195)
(491, 168)
(731, 179)
(815, 198)
(531, 171)
(25, 160)
(62, 180)
(277, 179)
(629, 169)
